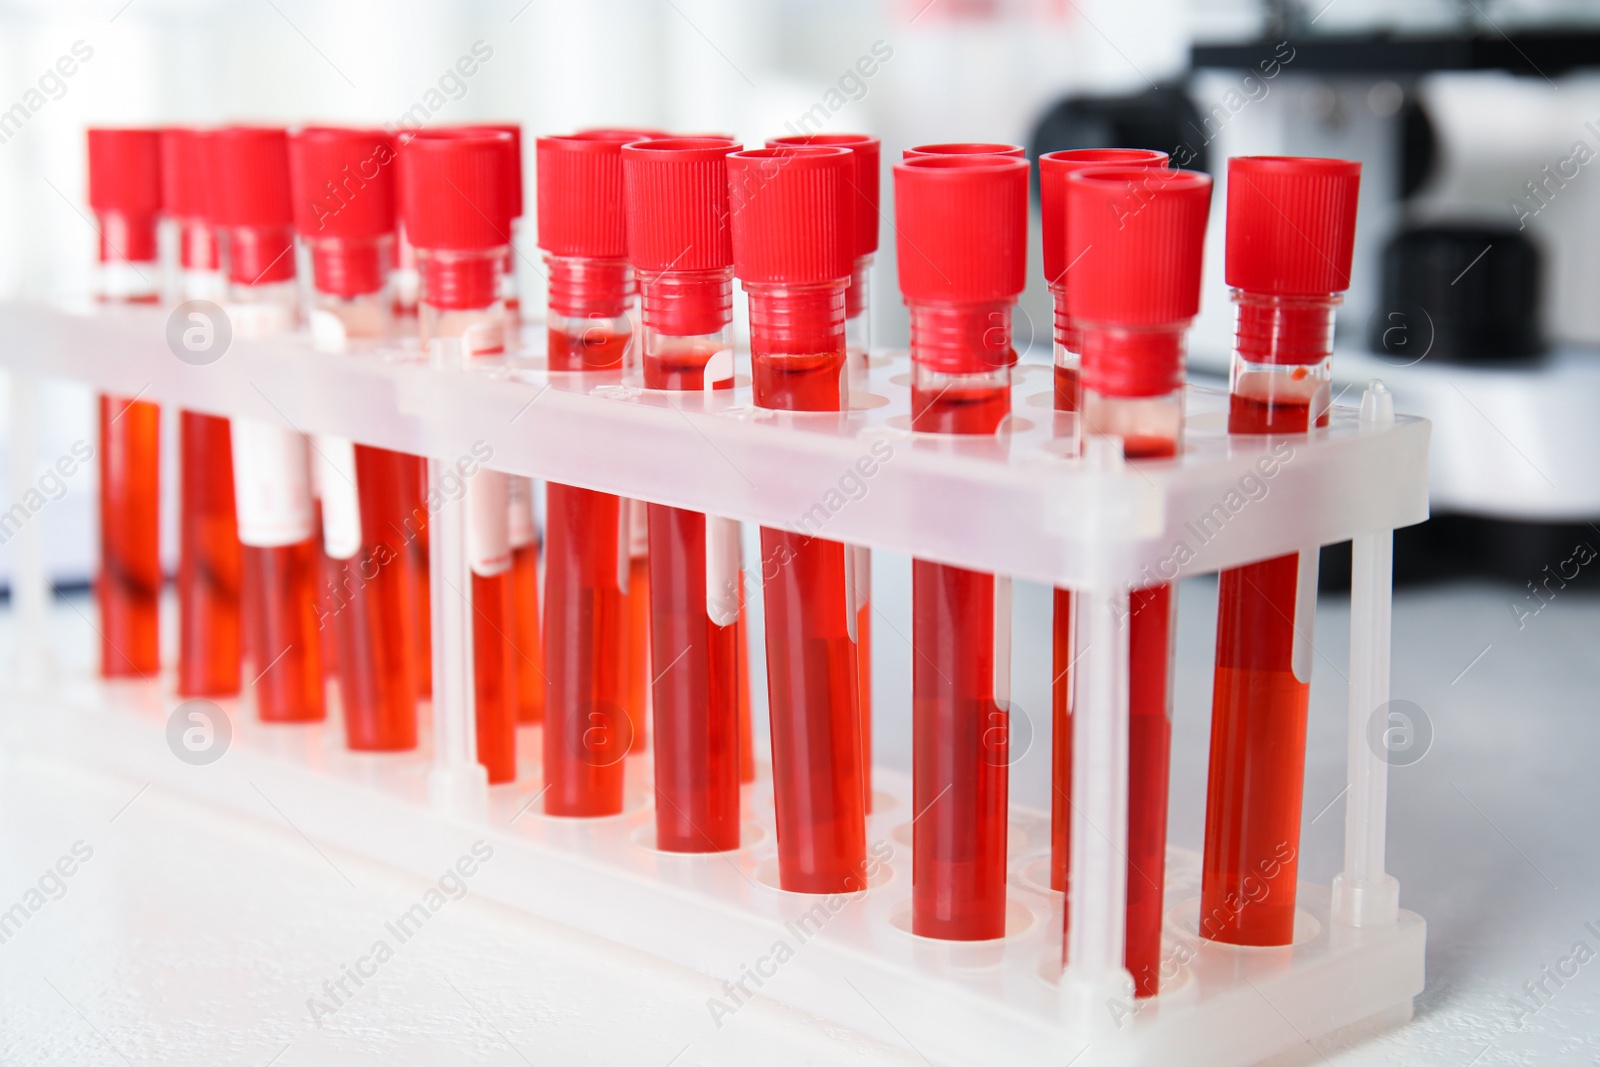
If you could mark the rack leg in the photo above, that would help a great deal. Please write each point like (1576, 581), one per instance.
(458, 781)
(1363, 895)
(30, 584)
(1095, 980)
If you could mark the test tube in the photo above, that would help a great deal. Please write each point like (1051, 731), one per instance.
(209, 639)
(251, 207)
(405, 289)
(342, 181)
(962, 226)
(794, 257)
(678, 245)
(587, 729)
(867, 153)
(1135, 241)
(457, 207)
(125, 195)
(1053, 170)
(1291, 232)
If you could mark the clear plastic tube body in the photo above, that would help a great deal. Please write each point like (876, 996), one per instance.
(366, 497)
(460, 302)
(798, 357)
(694, 596)
(1148, 417)
(128, 585)
(1261, 691)
(587, 729)
(960, 670)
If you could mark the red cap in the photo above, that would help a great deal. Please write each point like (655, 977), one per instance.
(1135, 243)
(1135, 240)
(629, 134)
(249, 195)
(582, 207)
(1053, 170)
(966, 148)
(125, 171)
(792, 211)
(513, 159)
(250, 185)
(125, 181)
(182, 179)
(1291, 224)
(453, 195)
(677, 192)
(677, 204)
(343, 182)
(868, 153)
(962, 227)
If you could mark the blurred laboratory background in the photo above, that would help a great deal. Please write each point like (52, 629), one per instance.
(1475, 120)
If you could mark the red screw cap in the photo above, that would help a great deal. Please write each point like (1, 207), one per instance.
(1291, 224)
(1135, 242)
(343, 182)
(182, 177)
(868, 152)
(967, 148)
(677, 204)
(512, 174)
(629, 134)
(582, 210)
(248, 193)
(793, 215)
(453, 190)
(1053, 170)
(125, 171)
(250, 176)
(962, 224)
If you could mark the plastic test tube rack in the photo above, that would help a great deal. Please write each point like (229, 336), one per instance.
(1022, 505)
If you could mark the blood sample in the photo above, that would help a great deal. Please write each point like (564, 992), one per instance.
(966, 148)
(456, 202)
(678, 245)
(343, 186)
(1291, 231)
(794, 259)
(962, 226)
(587, 730)
(636, 604)
(125, 195)
(526, 649)
(1053, 170)
(1135, 238)
(208, 532)
(866, 152)
(251, 207)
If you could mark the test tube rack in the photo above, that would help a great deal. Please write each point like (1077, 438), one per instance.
(1025, 503)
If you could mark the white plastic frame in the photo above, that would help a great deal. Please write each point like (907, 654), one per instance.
(1021, 504)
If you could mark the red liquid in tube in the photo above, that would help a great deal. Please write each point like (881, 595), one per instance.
(961, 731)
(527, 650)
(794, 251)
(1291, 235)
(125, 194)
(209, 569)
